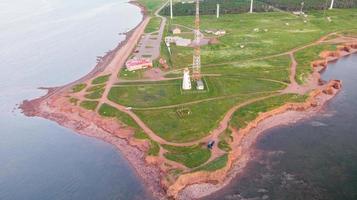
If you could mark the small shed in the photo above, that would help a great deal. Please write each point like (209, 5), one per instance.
(176, 31)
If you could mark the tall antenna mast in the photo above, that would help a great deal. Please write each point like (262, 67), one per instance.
(196, 66)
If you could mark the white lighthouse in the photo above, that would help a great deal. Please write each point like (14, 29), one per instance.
(186, 82)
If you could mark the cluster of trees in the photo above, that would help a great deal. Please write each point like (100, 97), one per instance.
(208, 7)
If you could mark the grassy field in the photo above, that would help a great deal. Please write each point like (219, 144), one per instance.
(249, 62)
(169, 93)
(202, 119)
(151, 5)
(248, 113)
(214, 165)
(89, 105)
(79, 87)
(153, 25)
(274, 35)
(191, 156)
(304, 59)
(100, 79)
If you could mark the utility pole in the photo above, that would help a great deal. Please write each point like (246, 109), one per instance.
(331, 6)
(171, 14)
(251, 6)
(217, 11)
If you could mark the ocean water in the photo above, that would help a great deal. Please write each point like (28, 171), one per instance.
(315, 159)
(50, 43)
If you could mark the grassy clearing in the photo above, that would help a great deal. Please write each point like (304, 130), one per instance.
(203, 118)
(89, 105)
(191, 156)
(109, 111)
(151, 5)
(273, 37)
(101, 79)
(153, 25)
(73, 100)
(224, 140)
(214, 165)
(158, 94)
(94, 88)
(248, 113)
(96, 94)
(304, 59)
(78, 87)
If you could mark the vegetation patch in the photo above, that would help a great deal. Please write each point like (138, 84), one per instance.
(224, 139)
(214, 165)
(94, 88)
(246, 114)
(78, 87)
(101, 79)
(190, 156)
(154, 25)
(89, 105)
(73, 100)
(96, 94)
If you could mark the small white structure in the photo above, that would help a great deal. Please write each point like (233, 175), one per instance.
(216, 32)
(179, 41)
(136, 64)
(176, 31)
(218, 7)
(186, 81)
(200, 85)
(298, 13)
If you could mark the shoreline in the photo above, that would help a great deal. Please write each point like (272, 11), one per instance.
(289, 113)
(52, 107)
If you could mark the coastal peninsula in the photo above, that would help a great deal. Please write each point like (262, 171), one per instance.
(259, 70)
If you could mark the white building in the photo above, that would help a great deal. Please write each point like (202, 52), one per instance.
(186, 81)
(176, 31)
(200, 85)
(136, 64)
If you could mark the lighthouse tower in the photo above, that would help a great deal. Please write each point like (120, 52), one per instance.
(186, 82)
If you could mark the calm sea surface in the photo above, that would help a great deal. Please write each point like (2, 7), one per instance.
(50, 43)
(315, 159)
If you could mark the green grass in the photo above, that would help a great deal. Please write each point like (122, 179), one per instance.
(169, 93)
(89, 105)
(204, 117)
(224, 139)
(191, 156)
(73, 100)
(96, 94)
(95, 87)
(109, 111)
(154, 25)
(78, 87)
(214, 165)
(304, 59)
(248, 113)
(279, 37)
(101, 79)
(151, 5)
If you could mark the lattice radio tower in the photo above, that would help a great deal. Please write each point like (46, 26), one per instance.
(196, 66)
